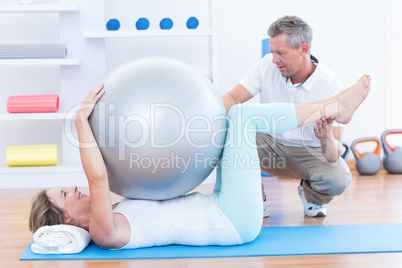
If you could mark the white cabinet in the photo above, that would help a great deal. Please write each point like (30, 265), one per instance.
(146, 33)
(22, 128)
(38, 62)
(38, 8)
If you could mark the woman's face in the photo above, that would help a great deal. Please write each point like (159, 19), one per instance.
(74, 204)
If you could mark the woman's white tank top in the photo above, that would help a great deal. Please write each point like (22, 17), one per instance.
(193, 219)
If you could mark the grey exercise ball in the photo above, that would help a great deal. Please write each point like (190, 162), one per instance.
(160, 126)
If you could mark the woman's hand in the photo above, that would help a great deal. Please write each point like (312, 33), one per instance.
(88, 103)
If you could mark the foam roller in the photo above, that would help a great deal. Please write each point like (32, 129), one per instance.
(32, 155)
(33, 104)
(32, 51)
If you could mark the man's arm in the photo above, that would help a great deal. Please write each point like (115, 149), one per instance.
(238, 94)
(330, 138)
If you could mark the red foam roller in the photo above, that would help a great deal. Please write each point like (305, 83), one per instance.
(33, 104)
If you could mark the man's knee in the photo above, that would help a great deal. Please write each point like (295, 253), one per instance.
(340, 183)
(334, 180)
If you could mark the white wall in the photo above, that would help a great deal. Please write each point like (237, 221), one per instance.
(351, 37)
(392, 62)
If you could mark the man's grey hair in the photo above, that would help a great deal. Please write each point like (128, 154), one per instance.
(298, 31)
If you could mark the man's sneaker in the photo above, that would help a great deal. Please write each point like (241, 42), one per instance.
(265, 206)
(311, 209)
(265, 210)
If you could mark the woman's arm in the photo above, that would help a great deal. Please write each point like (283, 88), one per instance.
(101, 224)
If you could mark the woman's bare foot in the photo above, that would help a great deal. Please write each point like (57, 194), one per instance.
(351, 98)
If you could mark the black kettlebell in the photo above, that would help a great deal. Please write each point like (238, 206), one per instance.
(345, 153)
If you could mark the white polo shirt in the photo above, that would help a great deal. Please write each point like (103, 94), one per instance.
(265, 78)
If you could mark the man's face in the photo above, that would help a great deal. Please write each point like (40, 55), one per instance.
(287, 59)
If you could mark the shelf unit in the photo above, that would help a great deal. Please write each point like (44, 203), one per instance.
(38, 8)
(42, 177)
(86, 39)
(45, 176)
(47, 169)
(39, 62)
(33, 116)
(67, 170)
(150, 33)
(210, 33)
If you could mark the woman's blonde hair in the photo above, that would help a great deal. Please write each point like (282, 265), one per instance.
(44, 212)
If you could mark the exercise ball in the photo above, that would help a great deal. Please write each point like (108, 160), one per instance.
(160, 126)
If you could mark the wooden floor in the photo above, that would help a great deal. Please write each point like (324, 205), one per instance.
(369, 200)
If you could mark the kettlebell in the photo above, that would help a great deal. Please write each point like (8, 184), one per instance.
(392, 155)
(367, 163)
(345, 153)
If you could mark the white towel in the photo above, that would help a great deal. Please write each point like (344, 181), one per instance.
(60, 239)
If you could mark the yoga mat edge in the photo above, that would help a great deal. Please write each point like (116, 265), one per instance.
(272, 241)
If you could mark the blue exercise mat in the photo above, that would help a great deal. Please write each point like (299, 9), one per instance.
(303, 240)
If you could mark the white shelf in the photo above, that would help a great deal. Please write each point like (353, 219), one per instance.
(32, 116)
(146, 33)
(43, 169)
(15, 62)
(42, 177)
(38, 8)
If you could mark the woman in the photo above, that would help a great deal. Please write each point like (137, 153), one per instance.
(231, 215)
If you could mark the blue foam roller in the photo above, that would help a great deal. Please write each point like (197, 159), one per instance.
(192, 23)
(166, 24)
(113, 25)
(142, 24)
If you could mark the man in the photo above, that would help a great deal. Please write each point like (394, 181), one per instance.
(291, 74)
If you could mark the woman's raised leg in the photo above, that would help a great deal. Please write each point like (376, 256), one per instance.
(240, 194)
(341, 106)
(239, 169)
